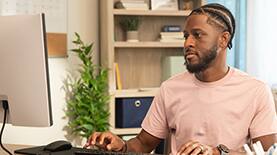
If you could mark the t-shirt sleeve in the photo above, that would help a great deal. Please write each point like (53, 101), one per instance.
(265, 120)
(155, 122)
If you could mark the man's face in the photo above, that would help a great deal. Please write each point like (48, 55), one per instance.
(201, 45)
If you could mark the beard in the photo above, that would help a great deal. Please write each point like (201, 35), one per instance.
(204, 61)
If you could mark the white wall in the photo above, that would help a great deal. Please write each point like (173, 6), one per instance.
(82, 18)
(261, 40)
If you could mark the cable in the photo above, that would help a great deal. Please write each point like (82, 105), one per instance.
(6, 107)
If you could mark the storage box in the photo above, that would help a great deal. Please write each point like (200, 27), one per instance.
(130, 112)
(172, 65)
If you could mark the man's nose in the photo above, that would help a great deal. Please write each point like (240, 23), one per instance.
(190, 42)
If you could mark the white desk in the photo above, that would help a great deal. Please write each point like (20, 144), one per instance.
(12, 147)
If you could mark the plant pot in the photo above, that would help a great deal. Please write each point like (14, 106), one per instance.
(132, 36)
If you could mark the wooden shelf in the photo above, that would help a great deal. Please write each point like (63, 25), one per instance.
(141, 92)
(125, 131)
(150, 12)
(138, 70)
(153, 44)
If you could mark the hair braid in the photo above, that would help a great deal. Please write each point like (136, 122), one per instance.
(219, 15)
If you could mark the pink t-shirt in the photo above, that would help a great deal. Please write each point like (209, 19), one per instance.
(228, 111)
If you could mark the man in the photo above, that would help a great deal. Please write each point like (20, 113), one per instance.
(213, 108)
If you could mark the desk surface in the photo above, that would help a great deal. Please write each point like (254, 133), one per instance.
(12, 147)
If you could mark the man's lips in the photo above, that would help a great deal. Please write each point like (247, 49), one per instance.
(190, 54)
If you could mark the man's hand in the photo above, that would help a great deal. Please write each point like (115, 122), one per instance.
(107, 141)
(195, 148)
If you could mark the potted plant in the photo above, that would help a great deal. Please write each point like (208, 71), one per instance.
(87, 96)
(130, 25)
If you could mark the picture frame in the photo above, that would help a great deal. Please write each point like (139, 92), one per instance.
(164, 4)
(185, 4)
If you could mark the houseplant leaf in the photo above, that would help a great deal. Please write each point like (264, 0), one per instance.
(87, 106)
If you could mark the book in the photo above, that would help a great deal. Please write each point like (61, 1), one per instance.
(132, 1)
(136, 7)
(117, 75)
(164, 4)
(179, 36)
(171, 28)
(172, 33)
(133, 5)
(173, 40)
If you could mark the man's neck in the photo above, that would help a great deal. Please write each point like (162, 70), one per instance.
(212, 74)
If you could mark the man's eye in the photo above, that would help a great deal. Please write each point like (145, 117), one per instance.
(186, 35)
(197, 34)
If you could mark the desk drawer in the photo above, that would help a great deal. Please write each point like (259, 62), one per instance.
(130, 112)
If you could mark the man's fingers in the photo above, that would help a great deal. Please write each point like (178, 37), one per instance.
(188, 147)
(189, 143)
(116, 145)
(108, 141)
(92, 139)
(196, 151)
(112, 147)
(205, 152)
(191, 148)
(105, 138)
(183, 147)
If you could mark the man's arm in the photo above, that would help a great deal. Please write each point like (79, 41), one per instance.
(143, 142)
(194, 147)
(266, 140)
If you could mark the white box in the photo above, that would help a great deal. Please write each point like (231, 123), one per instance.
(172, 65)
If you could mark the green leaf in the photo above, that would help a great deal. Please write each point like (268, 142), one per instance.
(77, 35)
(76, 42)
(130, 23)
(89, 127)
(87, 96)
(88, 49)
(75, 50)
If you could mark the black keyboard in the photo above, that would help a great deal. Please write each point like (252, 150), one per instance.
(73, 151)
(80, 151)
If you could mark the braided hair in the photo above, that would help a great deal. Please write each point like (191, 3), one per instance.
(219, 16)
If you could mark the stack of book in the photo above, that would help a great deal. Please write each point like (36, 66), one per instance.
(172, 33)
(164, 5)
(135, 4)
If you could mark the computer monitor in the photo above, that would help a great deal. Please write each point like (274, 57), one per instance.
(24, 78)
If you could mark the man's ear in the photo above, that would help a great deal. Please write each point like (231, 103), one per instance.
(224, 39)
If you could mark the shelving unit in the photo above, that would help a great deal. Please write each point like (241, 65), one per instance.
(140, 92)
(150, 12)
(140, 62)
(148, 44)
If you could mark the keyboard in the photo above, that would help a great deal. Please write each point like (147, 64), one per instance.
(73, 151)
(80, 151)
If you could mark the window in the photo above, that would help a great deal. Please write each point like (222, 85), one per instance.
(261, 40)
(236, 57)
